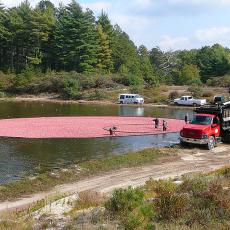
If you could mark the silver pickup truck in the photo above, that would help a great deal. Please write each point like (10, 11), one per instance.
(189, 100)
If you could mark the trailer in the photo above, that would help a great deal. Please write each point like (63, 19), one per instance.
(222, 111)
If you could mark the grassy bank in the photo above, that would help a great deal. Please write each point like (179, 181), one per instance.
(199, 201)
(48, 180)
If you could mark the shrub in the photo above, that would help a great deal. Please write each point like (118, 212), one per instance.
(6, 81)
(196, 91)
(169, 204)
(26, 77)
(88, 199)
(136, 89)
(173, 95)
(127, 206)
(97, 95)
(207, 94)
(124, 200)
(71, 89)
(129, 79)
(104, 82)
(87, 82)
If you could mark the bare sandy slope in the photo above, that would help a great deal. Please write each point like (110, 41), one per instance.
(189, 160)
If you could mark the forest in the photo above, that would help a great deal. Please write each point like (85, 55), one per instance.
(48, 49)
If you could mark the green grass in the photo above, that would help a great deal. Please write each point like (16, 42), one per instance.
(48, 180)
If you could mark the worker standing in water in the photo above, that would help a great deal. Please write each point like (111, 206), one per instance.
(156, 120)
(165, 125)
(186, 118)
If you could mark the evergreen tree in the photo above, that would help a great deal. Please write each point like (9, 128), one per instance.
(42, 22)
(104, 55)
(89, 45)
(146, 68)
(4, 38)
(107, 27)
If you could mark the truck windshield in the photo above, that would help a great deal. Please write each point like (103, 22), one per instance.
(201, 120)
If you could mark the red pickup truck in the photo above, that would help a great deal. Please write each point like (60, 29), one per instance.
(208, 126)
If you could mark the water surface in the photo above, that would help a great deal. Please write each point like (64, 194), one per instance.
(20, 156)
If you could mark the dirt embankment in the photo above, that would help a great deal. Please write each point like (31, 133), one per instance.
(188, 161)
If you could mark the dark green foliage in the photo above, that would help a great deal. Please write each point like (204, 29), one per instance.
(213, 61)
(199, 202)
(125, 200)
(71, 89)
(104, 53)
(128, 206)
(68, 39)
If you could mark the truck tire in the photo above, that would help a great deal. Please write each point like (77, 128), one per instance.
(195, 104)
(211, 143)
(226, 137)
(184, 144)
(175, 103)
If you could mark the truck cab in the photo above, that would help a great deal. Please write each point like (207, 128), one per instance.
(204, 129)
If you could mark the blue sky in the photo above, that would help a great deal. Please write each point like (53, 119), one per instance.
(169, 24)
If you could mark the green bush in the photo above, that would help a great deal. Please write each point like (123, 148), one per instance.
(97, 95)
(71, 89)
(124, 200)
(136, 89)
(25, 78)
(87, 82)
(169, 203)
(128, 207)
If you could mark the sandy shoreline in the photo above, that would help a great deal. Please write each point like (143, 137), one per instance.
(55, 99)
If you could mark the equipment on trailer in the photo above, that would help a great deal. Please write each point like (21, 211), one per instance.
(223, 113)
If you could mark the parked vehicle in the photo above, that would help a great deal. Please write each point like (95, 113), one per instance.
(189, 100)
(208, 126)
(219, 99)
(130, 99)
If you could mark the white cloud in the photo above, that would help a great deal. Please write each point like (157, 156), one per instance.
(171, 43)
(215, 34)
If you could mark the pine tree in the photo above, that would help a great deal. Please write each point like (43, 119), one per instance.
(42, 22)
(146, 68)
(104, 55)
(89, 43)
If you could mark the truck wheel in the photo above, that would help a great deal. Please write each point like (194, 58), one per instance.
(211, 143)
(195, 104)
(184, 144)
(175, 103)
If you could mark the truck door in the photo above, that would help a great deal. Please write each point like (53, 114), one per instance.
(182, 101)
(216, 126)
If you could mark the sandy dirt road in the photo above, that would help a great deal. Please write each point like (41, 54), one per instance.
(189, 160)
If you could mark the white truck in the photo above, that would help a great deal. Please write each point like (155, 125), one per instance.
(189, 100)
(130, 99)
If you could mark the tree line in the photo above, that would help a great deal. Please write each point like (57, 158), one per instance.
(68, 38)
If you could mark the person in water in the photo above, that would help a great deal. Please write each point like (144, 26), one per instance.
(112, 131)
(156, 120)
(165, 125)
